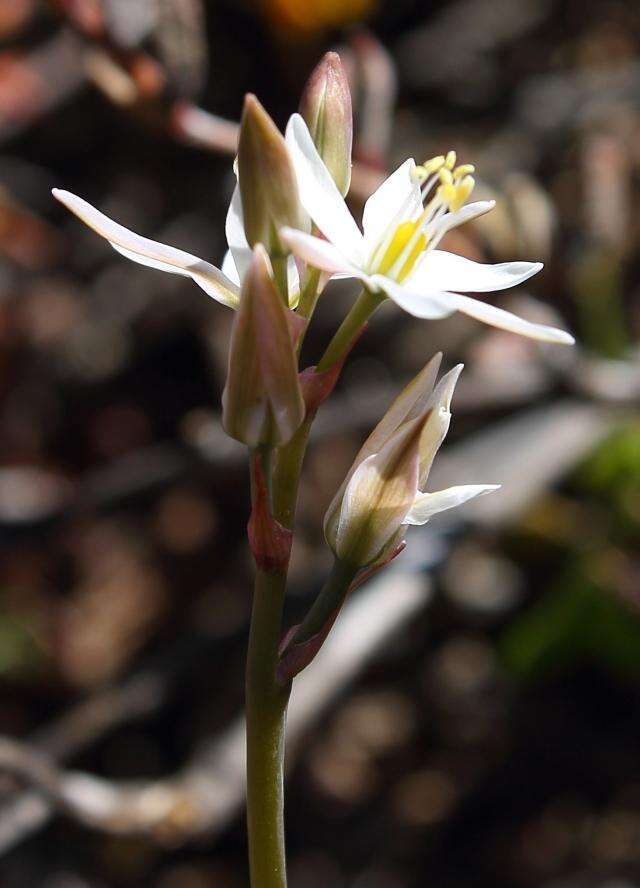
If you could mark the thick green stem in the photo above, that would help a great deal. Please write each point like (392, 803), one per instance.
(266, 704)
(266, 700)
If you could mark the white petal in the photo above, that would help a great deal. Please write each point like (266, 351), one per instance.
(464, 214)
(440, 270)
(236, 238)
(437, 425)
(152, 253)
(442, 303)
(229, 268)
(399, 192)
(319, 194)
(317, 252)
(498, 317)
(427, 304)
(426, 505)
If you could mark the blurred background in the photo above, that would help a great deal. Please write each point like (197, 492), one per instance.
(476, 719)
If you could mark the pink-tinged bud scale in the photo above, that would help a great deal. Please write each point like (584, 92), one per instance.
(262, 400)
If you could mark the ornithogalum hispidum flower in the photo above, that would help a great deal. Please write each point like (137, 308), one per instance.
(403, 223)
(384, 489)
(262, 400)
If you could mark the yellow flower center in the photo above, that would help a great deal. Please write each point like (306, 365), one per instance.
(403, 234)
(445, 187)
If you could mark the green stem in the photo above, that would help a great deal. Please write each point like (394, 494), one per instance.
(279, 265)
(309, 293)
(266, 704)
(360, 312)
(328, 601)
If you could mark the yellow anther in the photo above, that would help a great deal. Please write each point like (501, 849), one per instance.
(463, 190)
(463, 170)
(446, 176)
(433, 164)
(450, 160)
(403, 234)
(419, 173)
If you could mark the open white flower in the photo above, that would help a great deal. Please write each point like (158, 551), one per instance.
(403, 223)
(223, 285)
(384, 489)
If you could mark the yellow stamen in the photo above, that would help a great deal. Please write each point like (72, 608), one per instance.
(450, 160)
(463, 170)
(445, 176)
(403, 234)
(463, 190)
(433, 164)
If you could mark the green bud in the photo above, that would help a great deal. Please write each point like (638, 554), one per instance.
(326, 109)
(268, 186)
(262, 402)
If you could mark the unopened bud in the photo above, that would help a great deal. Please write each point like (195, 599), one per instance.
(262, 401)
(326, 108)
(267, 179)
(378, 497)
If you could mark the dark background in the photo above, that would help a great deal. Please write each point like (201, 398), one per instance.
(493, 739)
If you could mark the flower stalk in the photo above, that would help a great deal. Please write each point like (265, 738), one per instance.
(289, 199)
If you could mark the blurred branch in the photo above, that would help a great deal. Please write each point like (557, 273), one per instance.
(206, 794)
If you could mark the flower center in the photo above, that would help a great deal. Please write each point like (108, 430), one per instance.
(403, 237)
(444, 189)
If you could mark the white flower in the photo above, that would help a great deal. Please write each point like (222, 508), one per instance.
(403, 222)
(223, 285)
(384, 489)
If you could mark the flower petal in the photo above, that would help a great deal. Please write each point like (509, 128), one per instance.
(229, 268)
(459, 217)
(442, 303)
(426, 505)
(427, 304)
(152, 253)
(437, 425)
(498, 317)
(236, 238)
(319, 194)
(317, 252)
(440, 270)
(399, 192)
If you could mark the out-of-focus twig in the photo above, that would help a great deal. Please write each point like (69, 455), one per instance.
(203, 796)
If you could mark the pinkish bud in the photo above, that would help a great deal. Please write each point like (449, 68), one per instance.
(262, 401)
(268, 185)
(326, 108)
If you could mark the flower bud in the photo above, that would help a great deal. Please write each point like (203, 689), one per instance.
(383, 492)
(326, 108)
(262, 401)
(378, 497)
(267, 179)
